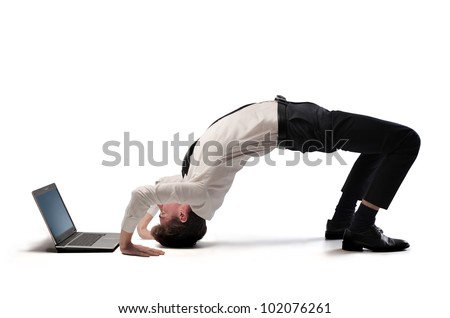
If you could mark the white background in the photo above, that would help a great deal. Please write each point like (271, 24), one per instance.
(76, 74)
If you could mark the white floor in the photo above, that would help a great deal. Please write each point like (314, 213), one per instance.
(74, 76)
(232, 272)
(261, 259)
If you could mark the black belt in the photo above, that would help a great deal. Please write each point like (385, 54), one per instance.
(282, 122)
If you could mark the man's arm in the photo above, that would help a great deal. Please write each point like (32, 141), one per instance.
(142, 199)
(142, 227)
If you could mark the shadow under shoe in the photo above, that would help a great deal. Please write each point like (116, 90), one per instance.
(372, 239)
(335, 229)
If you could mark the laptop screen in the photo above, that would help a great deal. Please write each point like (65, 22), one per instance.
(54, 212)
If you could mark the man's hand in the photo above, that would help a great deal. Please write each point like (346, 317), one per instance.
(128, 248)
(140, 250)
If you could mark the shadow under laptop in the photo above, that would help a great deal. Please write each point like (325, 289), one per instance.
(44, 246)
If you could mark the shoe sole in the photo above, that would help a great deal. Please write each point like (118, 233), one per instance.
(359, 247)
(352, 246)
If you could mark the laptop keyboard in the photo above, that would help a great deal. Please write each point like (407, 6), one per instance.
(85, 239)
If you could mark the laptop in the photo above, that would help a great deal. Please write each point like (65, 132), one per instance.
(62, 229)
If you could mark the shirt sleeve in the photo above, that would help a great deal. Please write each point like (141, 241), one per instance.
(170, 179)
(152, 210)
(143, 198)
(191, 193)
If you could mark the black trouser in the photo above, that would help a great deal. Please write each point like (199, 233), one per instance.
(387, 149)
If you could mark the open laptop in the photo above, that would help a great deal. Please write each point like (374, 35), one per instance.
(62, 228)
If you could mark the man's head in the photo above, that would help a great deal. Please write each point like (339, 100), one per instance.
(179, 226)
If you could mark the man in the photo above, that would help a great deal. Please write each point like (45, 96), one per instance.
(387, 151)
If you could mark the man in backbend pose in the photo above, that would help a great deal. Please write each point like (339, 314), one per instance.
(387, 151)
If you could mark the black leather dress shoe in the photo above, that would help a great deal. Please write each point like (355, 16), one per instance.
(372, 239)
(335, 230)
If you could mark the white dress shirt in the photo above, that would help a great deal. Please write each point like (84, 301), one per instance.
(220, 153)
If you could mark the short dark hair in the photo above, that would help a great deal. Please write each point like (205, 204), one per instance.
(179, 234)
